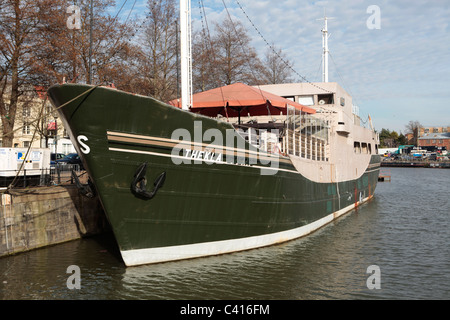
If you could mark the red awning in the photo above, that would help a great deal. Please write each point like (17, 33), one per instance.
(239, 98)
(51, 125)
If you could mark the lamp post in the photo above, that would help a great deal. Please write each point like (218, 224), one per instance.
(56, 135)
(90, 43)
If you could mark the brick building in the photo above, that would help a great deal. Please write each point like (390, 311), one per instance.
(435, 140)
(426, 130)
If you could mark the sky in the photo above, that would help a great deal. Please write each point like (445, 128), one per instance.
(392, 56)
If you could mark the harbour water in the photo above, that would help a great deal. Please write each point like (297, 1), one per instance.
(403, 233)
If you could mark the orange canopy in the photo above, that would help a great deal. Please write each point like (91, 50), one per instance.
(233, 99)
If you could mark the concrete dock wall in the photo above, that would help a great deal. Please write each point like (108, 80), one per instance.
(36, 217)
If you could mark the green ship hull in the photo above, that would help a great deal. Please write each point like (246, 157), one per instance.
(195, 202)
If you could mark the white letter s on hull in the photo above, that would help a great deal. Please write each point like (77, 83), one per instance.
(83, 146)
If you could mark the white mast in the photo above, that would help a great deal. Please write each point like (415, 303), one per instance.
(325, 37)
(186, 60)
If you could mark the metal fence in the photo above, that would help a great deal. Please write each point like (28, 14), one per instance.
(55, 175)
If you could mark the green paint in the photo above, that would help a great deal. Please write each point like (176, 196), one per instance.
(198, 202)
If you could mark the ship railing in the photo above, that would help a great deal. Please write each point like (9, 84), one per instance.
(266, 137)
(305, 136)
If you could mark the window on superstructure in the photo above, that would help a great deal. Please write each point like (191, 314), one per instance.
(364, 147)
(325, 98)
(306, 100)
(357, 147)
(370, 148)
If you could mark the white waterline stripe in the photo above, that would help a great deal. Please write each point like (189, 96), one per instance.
(154, 255)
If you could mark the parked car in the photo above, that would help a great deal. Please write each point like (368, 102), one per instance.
(54, 157)
(71, 158)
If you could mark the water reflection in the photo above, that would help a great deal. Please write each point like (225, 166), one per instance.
(286, 271)
(402, 231)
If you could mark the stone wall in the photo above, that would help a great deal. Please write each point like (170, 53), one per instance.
(36, 217)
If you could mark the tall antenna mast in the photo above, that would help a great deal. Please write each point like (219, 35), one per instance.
(186, 54)
(325, 37)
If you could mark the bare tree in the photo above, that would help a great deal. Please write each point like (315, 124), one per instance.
(276, 67)
(157, 60)
(18, 21)
(37, 48)
(63, 52)
(414, 127)
(204, 73)
(236, 59)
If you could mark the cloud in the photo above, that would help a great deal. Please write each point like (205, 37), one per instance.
(397, 73)
(400, 71)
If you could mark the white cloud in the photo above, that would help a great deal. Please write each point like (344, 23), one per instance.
(397, 73)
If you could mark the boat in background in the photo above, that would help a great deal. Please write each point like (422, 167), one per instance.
(220, 171)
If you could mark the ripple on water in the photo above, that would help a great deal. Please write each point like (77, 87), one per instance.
(403, 230)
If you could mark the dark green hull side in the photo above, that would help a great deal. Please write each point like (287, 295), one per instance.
(116, 132)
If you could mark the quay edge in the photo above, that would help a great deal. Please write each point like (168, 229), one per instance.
(37, 217)
(416, 164)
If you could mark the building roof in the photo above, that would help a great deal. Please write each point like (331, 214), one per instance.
(443, 135)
